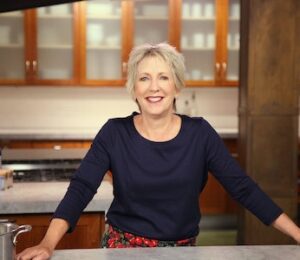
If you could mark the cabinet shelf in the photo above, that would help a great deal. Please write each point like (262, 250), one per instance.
(200, 18)
(103, 47)
(103, 17)
(56, 47)
(55, 16)
(197, 48)
(147, 18)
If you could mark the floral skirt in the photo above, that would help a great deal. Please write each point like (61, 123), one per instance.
(116, 238)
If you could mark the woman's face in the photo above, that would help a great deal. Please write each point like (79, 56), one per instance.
(154, 88)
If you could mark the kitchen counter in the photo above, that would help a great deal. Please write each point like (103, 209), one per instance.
(183, 253)
(44, 197)
(78, 134)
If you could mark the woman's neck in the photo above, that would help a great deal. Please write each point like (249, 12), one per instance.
(158, 129)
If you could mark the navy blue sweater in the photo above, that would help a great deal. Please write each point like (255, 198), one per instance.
(157, 184)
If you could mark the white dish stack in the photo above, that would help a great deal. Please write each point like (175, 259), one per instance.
(4, 34)
(95, 34)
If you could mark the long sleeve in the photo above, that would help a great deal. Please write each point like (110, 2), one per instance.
(239, 185)
(86, 180)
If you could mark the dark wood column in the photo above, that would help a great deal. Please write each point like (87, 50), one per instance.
(268, 110)
(298, 45)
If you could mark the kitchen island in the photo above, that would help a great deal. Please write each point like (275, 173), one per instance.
(184, 253)
(34, 203)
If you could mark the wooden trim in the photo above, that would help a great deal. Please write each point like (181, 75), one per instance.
(18, 82)
(223, 26)
(127, 21)
(297, 46)
(76, 43)
(103, 83)
(191, 83)
(54, 82)
(82, 42)
(174, 23)
(30, 43)
(221, 20)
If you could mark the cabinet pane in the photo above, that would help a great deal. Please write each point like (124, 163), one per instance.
(103, 39)
(233, 40)
(55, 42)
(150, 22)
(12, 45)
(198, 38)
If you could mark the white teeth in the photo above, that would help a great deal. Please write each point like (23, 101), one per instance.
(154, 99)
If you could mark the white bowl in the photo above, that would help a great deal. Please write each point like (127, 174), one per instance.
(95, 33)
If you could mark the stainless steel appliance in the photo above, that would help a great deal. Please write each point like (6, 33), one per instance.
(8, 238)
(35, 165)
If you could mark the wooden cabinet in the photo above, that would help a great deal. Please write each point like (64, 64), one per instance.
(214, 199)
(297, 46)
(209, 40)
(12, 48)
(46, 144)
(88, 43)
(103, 42)
(40, 46)
(87, 233)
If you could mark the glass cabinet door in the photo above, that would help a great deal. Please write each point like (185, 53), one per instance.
(233, 40)
(12, 50)
(55, 42)
(151, 21)
(198, 38)
(103, 40)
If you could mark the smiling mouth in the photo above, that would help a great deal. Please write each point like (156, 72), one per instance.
(154, 99)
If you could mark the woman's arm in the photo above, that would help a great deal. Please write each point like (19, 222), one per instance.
(284, 224)
(44, 250)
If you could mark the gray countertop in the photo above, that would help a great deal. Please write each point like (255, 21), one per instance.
(44, 197)
(289, 252)
(33, 134)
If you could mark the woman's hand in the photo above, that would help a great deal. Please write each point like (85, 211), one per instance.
(44, 250)
(284, 224)
(39, 252)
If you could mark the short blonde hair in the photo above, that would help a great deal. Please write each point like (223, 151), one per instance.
(164, 50)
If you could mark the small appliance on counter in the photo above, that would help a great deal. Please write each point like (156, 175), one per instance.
(6, 178)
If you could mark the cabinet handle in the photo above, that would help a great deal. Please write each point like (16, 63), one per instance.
(124, 67)
(27, 65)
(218, 68)
(34, 65)
(224, 68)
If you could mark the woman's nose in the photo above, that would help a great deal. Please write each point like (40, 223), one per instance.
(154, 85)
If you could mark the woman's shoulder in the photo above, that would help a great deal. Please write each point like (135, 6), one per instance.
(198, 122)
(119, 121)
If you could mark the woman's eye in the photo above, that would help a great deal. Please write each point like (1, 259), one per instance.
(164, 78)
(143, 78)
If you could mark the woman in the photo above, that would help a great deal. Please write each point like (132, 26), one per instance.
(159, 161)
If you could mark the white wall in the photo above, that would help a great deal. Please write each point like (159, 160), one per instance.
(77, 110)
